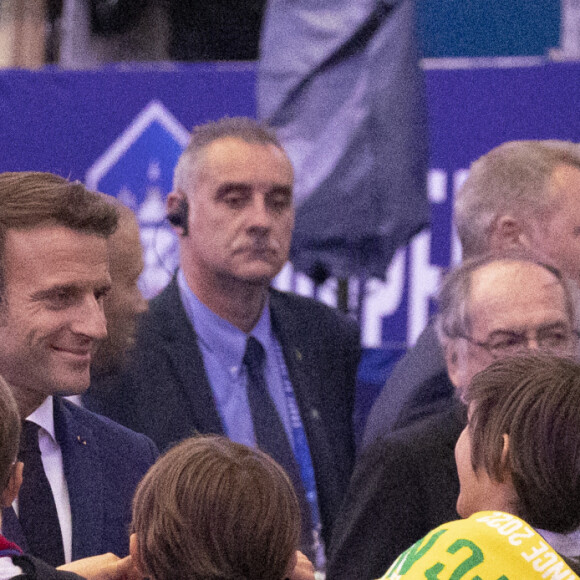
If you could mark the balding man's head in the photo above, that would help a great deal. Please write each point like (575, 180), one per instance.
(491, 308)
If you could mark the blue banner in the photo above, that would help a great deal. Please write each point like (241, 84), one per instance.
(120, 129)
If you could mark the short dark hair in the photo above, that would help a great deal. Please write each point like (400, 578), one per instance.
(535, 400)
(30, 199)
(211, 509)
(9, 432)
(243, 128)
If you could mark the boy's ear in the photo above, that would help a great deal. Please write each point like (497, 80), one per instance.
(507, 483)
(134, 552)
(10, 493)
(506, 473)
(505, 451)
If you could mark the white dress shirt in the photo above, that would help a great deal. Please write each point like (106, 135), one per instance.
(8, 569)
(54, 469)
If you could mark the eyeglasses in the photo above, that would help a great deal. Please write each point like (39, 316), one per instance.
(553, 340)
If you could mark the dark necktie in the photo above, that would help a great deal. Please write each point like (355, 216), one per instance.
(36, 507)
(271, 435)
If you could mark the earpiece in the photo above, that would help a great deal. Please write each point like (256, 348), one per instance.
(179, 217)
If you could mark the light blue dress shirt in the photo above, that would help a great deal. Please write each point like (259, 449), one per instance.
(222, 346)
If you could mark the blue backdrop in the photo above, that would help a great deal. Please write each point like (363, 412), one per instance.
(122, 128)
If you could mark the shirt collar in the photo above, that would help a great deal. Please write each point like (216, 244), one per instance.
(565, 544)
(44, 417)
(262, 332)
(224, 340)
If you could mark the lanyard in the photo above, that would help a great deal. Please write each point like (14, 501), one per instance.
(303, 458)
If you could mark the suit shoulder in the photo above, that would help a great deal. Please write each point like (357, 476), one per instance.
(167, 295)
(422, 437)
(308, 307)
(107, 429)
(167, 301)
(422, 361)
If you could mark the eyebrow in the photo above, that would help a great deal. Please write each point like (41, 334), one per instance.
(226, 188)
(49, 293)
(286, 189)
(550, 326)
(235, 186)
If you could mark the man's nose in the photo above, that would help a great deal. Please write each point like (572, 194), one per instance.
(90, 319)
(261, 216)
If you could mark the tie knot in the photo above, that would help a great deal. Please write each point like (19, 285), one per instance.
(29, 438)
(254, 355)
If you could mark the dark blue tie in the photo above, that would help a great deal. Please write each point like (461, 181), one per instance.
(36, 507)
(271, 435)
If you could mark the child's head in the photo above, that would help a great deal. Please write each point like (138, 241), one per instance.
(211, 509)
(9, 442)
(524, 436)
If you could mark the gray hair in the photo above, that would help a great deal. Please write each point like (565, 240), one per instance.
(452, 320)
(512, 178)
(244, 128)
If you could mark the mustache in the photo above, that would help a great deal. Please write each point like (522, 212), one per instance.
(259, 244)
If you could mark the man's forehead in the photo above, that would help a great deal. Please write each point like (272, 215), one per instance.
(519, 292)
(504, 274)
(54, 252)
(234, 151)
(564, 172)
(564, 184)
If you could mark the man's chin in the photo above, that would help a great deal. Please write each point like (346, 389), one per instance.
(74, 385)
(260, 274)
(259, 280)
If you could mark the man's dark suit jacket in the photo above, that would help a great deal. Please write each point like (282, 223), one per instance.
(417, 388)
(103, 463)
(403, 486)
(166, 393)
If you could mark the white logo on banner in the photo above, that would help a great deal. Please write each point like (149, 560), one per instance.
(149, 147)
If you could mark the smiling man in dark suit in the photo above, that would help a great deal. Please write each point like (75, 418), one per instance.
(80, 469)
(220, 351)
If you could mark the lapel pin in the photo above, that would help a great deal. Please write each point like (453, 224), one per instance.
(298, 355)
(80, 440)
(314, 413)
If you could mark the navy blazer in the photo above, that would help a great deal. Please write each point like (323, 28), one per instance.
(166, 393)
(417, 388)
(103, 463)
(403, 486)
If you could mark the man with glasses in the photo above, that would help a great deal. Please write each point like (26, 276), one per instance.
(520, 196)
(406, 484)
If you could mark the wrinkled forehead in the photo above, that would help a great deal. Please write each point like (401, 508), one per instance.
(516, 295)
